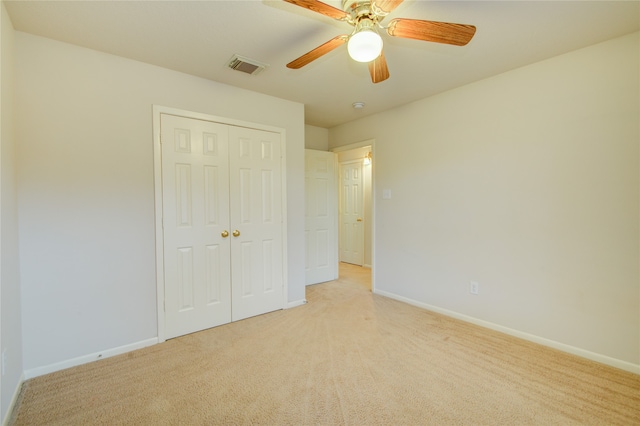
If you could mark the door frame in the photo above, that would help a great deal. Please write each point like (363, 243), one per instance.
(157, 183)
(349, 147)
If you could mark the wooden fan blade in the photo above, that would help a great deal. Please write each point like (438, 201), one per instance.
(378, 69)
(387, 6)
(317, 52)
(439, 32)
(323, 8)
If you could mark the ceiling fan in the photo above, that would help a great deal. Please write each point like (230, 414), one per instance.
(365, 44)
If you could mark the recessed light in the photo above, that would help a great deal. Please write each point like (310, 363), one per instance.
(358, 105)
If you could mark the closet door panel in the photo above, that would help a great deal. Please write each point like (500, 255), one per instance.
(256, 215)
(195, 178)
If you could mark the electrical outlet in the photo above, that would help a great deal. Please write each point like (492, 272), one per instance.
(473, 287)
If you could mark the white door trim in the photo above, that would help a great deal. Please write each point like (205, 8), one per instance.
(157, 182)
(356, 145)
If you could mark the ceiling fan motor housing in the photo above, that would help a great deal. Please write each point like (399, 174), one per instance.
(358, 10)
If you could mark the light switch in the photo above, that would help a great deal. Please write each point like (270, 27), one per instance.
(386, 194)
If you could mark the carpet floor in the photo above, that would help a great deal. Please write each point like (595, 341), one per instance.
(346, 357)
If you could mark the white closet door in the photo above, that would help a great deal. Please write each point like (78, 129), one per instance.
(256, 222)
(321, 211)
(195, 178)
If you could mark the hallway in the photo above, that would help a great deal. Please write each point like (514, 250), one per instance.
(355, 274)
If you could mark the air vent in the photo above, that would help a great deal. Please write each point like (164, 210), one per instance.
(246, 65)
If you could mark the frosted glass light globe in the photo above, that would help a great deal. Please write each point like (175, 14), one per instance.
(364, 46)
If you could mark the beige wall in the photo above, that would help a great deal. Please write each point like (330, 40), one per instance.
(316, 138)
(86, 192)
(11, 335)
(528, 183)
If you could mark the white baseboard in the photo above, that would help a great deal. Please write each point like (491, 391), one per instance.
(39, 371)
(603, 359)
(295, 303)
(14, 399)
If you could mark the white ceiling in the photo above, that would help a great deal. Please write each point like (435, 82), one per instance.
(199, 38)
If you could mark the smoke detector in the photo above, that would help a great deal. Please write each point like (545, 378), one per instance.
(246, 65)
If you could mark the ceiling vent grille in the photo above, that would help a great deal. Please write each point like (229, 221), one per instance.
(246, 65)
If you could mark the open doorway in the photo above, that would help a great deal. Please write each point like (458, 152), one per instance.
(355, 213)
(323, 206)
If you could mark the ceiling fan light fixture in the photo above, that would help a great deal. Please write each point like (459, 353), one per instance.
(365, 46)
(367, 159)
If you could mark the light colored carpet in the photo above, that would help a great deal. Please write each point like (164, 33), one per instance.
(346, 357)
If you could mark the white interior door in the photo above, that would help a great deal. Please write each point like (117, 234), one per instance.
(195, 179)
(321, 210)
(256, 222)
(351, 213)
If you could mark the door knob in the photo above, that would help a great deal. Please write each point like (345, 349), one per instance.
(236, 233)
(359, 219)
(225, 234)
